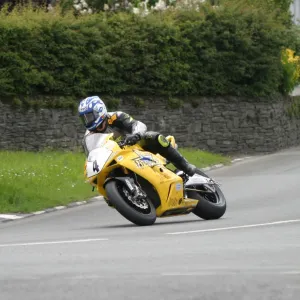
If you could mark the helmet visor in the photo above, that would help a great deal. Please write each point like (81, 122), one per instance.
(88, 118)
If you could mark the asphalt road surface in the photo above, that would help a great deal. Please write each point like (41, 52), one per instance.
(92, 252)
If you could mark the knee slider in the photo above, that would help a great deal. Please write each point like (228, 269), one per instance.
(163, 141)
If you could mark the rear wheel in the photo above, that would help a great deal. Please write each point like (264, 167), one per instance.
(211, 205)
(138, 211)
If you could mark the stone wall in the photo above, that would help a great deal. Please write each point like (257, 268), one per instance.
(230, 126)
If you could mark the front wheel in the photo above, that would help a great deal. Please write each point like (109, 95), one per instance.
(140, 212)
(211, 205)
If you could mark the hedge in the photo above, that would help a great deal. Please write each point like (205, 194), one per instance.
(228, 51)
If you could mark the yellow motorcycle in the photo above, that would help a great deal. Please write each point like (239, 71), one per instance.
(140, 186)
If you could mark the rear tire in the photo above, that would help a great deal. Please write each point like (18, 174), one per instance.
(128, 211)
(206, 209)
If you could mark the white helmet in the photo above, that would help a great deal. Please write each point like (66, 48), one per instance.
(92, 112)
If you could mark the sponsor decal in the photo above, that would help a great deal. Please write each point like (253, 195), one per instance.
(178, 186)
(145, 160)
(112, 119)
(95, 166)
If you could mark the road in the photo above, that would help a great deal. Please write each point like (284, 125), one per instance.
(91, 252)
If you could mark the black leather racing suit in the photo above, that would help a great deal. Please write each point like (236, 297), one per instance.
(121, 124)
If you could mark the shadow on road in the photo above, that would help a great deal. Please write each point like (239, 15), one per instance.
(159, 223)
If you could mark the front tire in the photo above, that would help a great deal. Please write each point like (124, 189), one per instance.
(209, 208)
(114, 190)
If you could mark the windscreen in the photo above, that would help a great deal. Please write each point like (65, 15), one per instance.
(93, 141)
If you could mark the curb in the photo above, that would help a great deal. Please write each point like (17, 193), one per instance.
(5, 218)
(218, 166)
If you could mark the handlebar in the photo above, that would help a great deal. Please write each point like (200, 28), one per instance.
(122, 143)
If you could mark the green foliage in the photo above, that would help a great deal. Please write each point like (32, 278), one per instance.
(174, 103)
(288, 83)
(138, 101)
(112, 103)
(284, 5)
(66, 5)
(278, 9)
(291, 69)
(294, 108)
(98, 5)
(233, 52)
(44, 101)
(229, 50)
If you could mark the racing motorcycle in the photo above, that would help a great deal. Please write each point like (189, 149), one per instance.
(140, 185)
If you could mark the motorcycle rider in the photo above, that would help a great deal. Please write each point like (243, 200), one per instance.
(96, 119)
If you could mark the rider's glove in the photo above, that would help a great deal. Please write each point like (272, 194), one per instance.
(132, 139)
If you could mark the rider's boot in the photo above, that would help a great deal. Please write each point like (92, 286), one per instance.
(179, 161)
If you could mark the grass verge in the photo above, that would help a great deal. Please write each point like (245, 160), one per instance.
(36, 181)
(203, 159)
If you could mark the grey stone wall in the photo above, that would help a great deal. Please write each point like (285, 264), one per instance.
(230, 126)
(35, 130)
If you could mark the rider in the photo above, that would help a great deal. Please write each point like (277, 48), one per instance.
(94, 115)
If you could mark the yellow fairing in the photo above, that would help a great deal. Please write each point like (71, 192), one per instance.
(168, 185)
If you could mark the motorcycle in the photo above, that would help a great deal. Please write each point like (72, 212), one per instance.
(141, 187)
